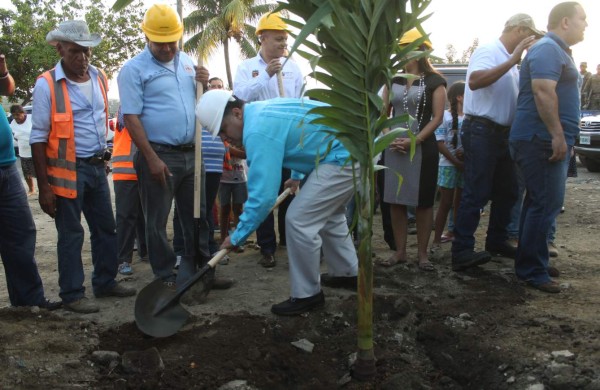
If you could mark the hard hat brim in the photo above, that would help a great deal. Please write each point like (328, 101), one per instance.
(159, 37)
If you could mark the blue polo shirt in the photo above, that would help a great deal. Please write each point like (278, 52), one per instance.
(548, 59)
(7, 151)
(279, 133)
(164, 99)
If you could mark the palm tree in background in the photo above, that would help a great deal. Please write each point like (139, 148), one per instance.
(215, 23)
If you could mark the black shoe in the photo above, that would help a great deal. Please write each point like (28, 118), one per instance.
(267, 260)
(467, 259)
(349, 282)
(504, 250)
(297, 306)
(50, 305)
(118, 290)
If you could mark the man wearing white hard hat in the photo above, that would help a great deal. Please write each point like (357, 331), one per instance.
(158, 95)
(277, 134)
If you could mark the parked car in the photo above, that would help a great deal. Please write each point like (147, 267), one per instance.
(587, 145)
(452, 72)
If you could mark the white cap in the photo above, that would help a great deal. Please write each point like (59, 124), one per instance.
(210, 109)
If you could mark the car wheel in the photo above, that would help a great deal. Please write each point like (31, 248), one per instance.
(592, 165)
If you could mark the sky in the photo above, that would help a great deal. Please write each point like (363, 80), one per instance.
(458, 22)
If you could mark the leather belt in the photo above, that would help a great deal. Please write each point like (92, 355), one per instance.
(180, 148)
(488, 122)
(94, 160)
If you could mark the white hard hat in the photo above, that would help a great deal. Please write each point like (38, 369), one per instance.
(210, 109)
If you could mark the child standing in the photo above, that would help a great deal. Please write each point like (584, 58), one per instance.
(233, 191)
(450, 176)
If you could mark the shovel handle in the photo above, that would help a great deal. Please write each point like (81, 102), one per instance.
(220, 254)
(280, 84)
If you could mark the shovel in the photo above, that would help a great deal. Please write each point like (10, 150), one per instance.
(158, 312)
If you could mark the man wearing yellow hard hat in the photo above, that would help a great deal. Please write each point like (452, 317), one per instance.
(158, 93)
(255, 80)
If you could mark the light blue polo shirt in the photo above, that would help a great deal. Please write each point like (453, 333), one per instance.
(548, 59)
(89, 118)
(164, 99)
(279, 133)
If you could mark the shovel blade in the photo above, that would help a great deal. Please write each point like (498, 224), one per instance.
(158, 312)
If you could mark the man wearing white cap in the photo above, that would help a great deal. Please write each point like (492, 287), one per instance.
(279, 133)
(489, 106)
(68, 142)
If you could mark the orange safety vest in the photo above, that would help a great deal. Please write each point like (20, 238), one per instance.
(61, 163)
(122, 158)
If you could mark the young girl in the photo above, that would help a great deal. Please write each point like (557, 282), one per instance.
(450, 177)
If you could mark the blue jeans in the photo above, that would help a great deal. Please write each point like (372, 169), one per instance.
(93, 199)
(489, 175)
(156, 203)
(545, 185)
(17, 241)
(515, 213)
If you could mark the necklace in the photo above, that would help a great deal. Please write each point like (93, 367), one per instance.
(420, 94)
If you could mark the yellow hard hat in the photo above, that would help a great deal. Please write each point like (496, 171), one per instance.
(161, 24)
(270, 21)
(412, 35)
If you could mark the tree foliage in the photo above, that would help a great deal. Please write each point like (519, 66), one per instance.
(214, 23)
(452, 56)
(23, 37)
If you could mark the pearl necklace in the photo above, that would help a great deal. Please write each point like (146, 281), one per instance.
(420, 93)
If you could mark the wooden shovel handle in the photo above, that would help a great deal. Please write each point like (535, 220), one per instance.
(280, 84)
(198, 156)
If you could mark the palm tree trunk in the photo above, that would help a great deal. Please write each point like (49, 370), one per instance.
(227, 63)
(364, 368)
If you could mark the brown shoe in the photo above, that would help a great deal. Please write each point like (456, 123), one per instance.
(549, 287)
(267, 261)
(553, 272)
(82, 305)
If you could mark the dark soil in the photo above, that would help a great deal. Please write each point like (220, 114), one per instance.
(413, 344)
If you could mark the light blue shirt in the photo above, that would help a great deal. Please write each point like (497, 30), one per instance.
(164, 99)
(253, 83)
(279, 133)
(89, 118)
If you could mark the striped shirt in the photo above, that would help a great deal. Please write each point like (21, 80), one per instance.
(213, 151)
